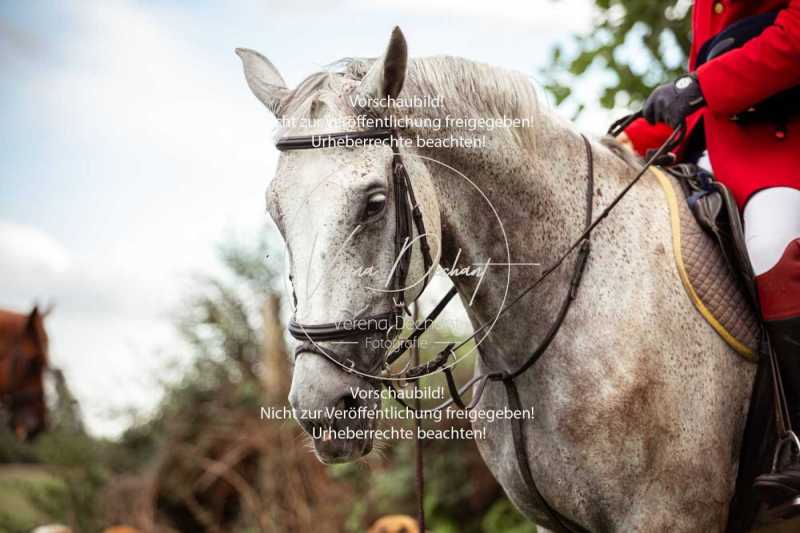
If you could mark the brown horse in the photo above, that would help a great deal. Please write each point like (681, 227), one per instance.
(23, 362)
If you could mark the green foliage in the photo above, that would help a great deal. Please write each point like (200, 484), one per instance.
(503, 517)
(449, 485)
(259, 267)
(221, 322)
(640, 43)
(135, 449)
(60, 479)
(77, 459)
(13, 451)
(20, 487)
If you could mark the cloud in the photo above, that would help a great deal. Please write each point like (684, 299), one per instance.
(148, 146)
(28, 252)
(35, 267)
(108, 329)
(155, 149)
(534, 15)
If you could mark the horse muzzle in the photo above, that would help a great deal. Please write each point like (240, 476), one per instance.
(333, 407)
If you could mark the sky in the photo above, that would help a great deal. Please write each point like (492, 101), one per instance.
(131, 148)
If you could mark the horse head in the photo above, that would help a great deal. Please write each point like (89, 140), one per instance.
(334, 208)
(22, 367)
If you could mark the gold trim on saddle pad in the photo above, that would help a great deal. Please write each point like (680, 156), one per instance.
(709, 284)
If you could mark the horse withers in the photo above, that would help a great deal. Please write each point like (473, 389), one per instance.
(23, 362)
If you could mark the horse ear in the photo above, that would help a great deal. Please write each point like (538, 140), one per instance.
(263, 79)
(35, 327)
(388, 73)
(33, 317)
(49, 309)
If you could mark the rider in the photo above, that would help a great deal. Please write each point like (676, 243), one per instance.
(758, 160)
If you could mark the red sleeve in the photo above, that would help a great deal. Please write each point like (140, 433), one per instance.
(646, 136)
(765, 66)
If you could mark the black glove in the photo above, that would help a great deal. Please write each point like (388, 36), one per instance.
(673, 102)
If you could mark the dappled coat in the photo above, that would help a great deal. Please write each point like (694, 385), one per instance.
(747, 158)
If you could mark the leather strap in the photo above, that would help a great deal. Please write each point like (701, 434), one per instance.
(332, 140)
(558, 523)
(350, 329)
(347, 363)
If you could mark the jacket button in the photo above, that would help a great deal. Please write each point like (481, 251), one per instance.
(719, 7)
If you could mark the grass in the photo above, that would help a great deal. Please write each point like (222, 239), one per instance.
(20, 485)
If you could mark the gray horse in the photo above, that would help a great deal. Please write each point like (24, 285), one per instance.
(639, 405)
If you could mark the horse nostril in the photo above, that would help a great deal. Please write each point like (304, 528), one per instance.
(347, 403)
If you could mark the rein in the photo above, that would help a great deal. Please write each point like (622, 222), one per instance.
(407, 212)
(580, 241)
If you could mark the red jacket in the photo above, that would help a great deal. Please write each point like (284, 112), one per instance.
(753, 157)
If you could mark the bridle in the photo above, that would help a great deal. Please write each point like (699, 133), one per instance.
(407, 210)
(408, 218)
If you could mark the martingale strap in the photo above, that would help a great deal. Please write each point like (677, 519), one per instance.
(557, 522)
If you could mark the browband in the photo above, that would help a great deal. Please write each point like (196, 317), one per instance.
(331, 140)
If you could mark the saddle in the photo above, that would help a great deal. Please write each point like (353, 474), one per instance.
(712, 260)
(710, 254)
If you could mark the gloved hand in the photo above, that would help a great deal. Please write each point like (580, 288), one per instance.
(673, 102)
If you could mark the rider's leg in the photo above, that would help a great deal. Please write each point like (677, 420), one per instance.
(772, 232)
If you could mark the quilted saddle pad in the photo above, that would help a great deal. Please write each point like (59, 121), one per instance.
(710, 283)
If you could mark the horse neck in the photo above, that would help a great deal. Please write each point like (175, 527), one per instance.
(537, 186)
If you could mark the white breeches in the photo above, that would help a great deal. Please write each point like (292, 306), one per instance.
(771, 222)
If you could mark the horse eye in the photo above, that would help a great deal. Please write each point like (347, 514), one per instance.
(376, 203)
